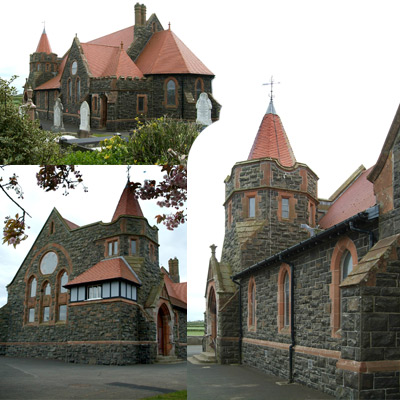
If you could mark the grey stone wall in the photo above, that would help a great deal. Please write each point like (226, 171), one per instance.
(312, 313)
(87, 323)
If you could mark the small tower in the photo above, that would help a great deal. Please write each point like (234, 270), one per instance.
(43, 63)
(267, 198)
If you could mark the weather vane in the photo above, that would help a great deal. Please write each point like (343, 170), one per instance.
(272, 83)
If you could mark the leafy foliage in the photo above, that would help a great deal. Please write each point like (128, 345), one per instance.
(158, 142)
(21, 140)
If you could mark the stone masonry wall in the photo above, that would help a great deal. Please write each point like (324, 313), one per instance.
(312, 308)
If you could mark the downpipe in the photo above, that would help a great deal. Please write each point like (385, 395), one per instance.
(240, 319)
(370, 234)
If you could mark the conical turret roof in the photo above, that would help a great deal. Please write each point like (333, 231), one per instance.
(44, 44)
(271, 140)
(128, 204)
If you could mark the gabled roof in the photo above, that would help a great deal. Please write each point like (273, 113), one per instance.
(356, 197)
(114, 39)
(128, 204)
(54, 83)
(112, 268)
(70, 224)
(271, 140)
(177, 291)
(165, 53)
(109, 61)
(44, 44)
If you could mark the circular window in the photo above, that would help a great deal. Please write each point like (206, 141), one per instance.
(49, 263)
(74, 68)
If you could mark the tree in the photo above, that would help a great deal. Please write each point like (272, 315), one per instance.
(172, 192)
(21, 140)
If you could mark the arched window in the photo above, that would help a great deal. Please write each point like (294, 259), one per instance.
(77, 90)
(344, 257)
(63, 281)
(45, 302)
(171, 93)
(199, 87)
(251, 319)
(284, 299)
(61, 309)
(32, 287)
(69, 90)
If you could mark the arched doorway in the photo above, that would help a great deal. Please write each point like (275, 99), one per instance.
(212, 316)
(163, 318)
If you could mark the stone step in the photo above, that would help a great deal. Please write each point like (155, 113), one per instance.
(205, 357)
(168, 359)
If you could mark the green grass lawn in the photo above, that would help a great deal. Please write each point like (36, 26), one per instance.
(195, 328)
(181, 395)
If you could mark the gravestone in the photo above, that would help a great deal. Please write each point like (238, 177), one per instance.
(84, 127)
(204, 107)
(58, 117)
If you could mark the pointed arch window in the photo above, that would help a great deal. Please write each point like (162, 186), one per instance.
(69, 90)
(32, 287)
(199, 87)
(284, 299)
(45, 302)
(251, 318)
(171, 93)
(30, 302)
(77, 90)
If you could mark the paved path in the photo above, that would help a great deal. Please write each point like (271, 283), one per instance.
(237, 382)
(25, 378)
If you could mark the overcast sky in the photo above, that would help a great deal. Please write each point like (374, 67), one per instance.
(337, 63)
(105, 186)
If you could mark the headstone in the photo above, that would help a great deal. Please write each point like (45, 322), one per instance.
(84, 127)
(204, 107)
(58, 116)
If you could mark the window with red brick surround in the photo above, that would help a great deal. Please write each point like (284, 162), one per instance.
(171, 93)
(284, 299)
(251, 305)
(286, 212)
(30, 303)
(112, 247)
(45, 302)
(198, 87)
(343, 246)
(141, 104)
(230, 215)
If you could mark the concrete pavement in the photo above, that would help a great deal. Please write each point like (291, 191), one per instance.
(238, 382)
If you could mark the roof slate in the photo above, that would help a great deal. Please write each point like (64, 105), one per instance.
(113, 268)
(177, 291)
(114, 39)
(271, 141)
(109, 61)
(358, 197)
(44, 44)
(128, 204)
(165, 53)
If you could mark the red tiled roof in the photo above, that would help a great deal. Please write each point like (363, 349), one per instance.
(70, 224)
(128, 204)
(177, 291)
(54, 83)
(356, 198)
(271, 141)
(114, 39)
(109, 61)
(165, 53)
(44, 44)
(112, 268)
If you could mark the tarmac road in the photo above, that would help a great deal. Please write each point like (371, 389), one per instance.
(26, 378)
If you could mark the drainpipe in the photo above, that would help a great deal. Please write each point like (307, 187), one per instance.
(240, 319)
(370, 233)
(292, 336)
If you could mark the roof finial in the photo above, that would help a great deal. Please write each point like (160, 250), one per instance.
(128, 172)
(271, 108)
(122, 45)
(169, 26)
(44, 26)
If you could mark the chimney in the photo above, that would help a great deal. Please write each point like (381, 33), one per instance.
(173, 266)
(138, 14)
(143, 15)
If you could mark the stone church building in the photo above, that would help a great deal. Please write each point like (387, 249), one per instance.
(307, 288)
(96, 294)
(142, 71)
